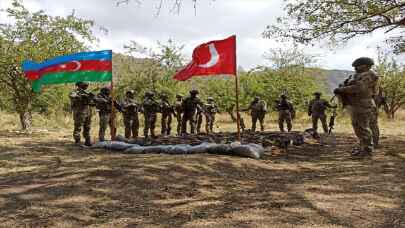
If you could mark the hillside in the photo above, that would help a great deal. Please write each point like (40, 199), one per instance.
(335, 77)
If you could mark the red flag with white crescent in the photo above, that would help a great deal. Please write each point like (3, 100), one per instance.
(212, 58)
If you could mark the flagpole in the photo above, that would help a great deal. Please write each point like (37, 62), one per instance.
(113, 130)
(237, 97)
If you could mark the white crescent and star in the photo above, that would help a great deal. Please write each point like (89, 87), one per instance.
(77, 63)
(214, 57)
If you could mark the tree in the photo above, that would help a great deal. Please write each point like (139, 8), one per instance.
(290, 61)
(154, 72)
(308, 21)
(35, 36)
(392, 83)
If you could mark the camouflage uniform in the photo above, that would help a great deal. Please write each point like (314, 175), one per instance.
(357, 95)
(130, 115)
(189, 106)
(199, 118)
(81, 100)
(211, 110)
(178, 111)
(258, 109)
(103, 104)
(167, 111)
(316, 109)
(150, 108)
(286, 113)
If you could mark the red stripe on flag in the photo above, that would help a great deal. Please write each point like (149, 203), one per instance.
(85, 65)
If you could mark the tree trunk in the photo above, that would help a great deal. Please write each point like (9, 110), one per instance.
(26, 120)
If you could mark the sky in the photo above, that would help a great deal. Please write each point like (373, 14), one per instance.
(216, 19)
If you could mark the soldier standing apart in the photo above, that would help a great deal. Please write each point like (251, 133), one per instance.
(211, 110)
(150, 108)
(103, 104)
(178, 111)
(130, 113)
(258, 109)
(316, 109)
(81, 101)
(358, 94)
(167, 111)
(286, 113)
(189, 106)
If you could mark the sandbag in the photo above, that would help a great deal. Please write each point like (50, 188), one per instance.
(247, 150)
(112, 145)
(236, 149)
(135, 149)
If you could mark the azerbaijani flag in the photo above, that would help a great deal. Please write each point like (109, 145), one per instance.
(84, 66)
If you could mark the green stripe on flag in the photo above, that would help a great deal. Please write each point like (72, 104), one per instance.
(71, 77)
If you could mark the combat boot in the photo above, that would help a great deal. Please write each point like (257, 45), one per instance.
(77, 140)
(87, 142)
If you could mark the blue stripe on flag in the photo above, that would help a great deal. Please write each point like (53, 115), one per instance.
(105, 55)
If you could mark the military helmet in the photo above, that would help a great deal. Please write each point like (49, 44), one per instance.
(105, 89)
(257, 98)
(130, 92)
(210, 99)
(194, 91)
(363, 61)
(317, 93)
(82, 83)
(179, 96)
(149, 94)
(283, 96)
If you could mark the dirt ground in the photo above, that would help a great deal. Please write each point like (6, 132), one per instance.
(45, 181)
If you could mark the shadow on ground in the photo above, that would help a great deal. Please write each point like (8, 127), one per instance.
(47, 181)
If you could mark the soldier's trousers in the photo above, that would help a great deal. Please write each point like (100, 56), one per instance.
(209, 123)
(375, 130)
(166, 122)
(361, 127)
(81, 120)
(199, 122)
(259, 117)
(323, 120)
(178, 118)
(149, 125)
(188, 118)
(284, 116)
(131, 123)
(105, 121)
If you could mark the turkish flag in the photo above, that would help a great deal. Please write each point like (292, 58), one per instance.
(214, 57)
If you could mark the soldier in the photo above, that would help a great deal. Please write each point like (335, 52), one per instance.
(150, 108)
(178, 110)
(258, 109)
(316, 109)
(81, 101)
(189, 106)
(286, 113)
(167, 111)
(130, 115)
(357, 95)
(211, 110)
(103, 104)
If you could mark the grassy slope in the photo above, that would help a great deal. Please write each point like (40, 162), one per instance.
(46, 181)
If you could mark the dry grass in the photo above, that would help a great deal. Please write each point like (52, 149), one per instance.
(45, 181)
